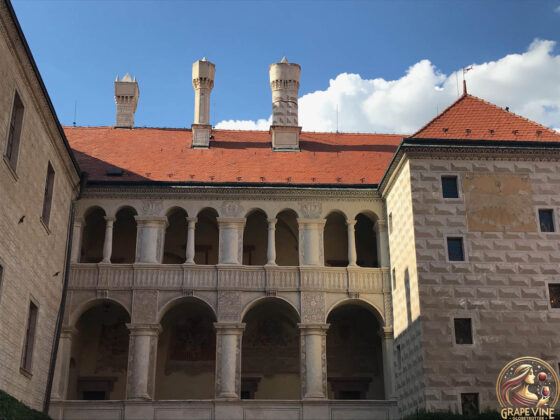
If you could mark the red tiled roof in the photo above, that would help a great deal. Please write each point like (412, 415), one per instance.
(159, 154)
(473, 118)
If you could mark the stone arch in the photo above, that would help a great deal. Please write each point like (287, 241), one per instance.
(335, 239)
(270, 356)
(260, 300)
(207, 237)
(255, 237)
(287, 238)
(93, 234)
(365, 238)
(175, 243)
(354, 351)
(179, 300)
(186, 356)
(378, 313)
(84, 306)
(100, 351)
(86, 210)
(124, 235)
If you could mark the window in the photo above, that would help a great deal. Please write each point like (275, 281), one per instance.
(399, 357)
(47, 200)
(546, 220)
(449, 187)
(26, 357)
(394, 279)
(14, 132)
(463, 331)
(455, 250)
(390, 222)
(1, 277)
(469, 404)
(554, 294)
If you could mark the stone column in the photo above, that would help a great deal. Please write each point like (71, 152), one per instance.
(311, 234)
(228, 359)
(62, 369)
(351, 243)
(142, 356)
(79, 224)
(271, 252)
(108, 242)
(313, 360)
(382, 237)
(231, 240)
(386, 334)
(149, 239)
(191, 221)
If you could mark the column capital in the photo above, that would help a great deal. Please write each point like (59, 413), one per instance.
(313, 329)
(351, 223)
(193, 220)
(229, 327)
(271, 221)
(79, 221)
(68, 332)
(151, 220)
(109, 218)
(144, 329)
(315, 222)
(380, 224)
(231, 221)
(386, 333)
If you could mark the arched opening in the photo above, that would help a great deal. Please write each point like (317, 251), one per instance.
(175, 246)
(287, 238)
(354, 358)
(335, 237)
(255, 239)
(186, 352)
(93, 236)
(124, 237)
(270, 352)
(207, 237)
(366, 242)
(100, 354)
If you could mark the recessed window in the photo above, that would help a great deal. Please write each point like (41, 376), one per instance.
(469, 404)
(14, 132)
(463, 331)
(399, 357)
(47, 199)
(394, 279)
(546, 220)
(554, 293)
(455, 249)
(449, 187)
(390, 222)
(27, 356)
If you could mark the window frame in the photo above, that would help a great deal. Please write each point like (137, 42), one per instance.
(26, 362)
(462, 345)
(464, 246)
(13, 159)
(554, 222)
(548, 283)
(48, 195)
(457, 177)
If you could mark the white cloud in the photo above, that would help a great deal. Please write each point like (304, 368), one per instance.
(557, 10)
(529, 83)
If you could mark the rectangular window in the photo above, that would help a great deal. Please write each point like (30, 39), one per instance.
(390, 222)
(455, 250)
(399, 357)
(469, 404)
(14, 132)
(394, 279)
(27, 355)
(546, 220)
(47, 200)
(554, 293)
(449, 187)
(463, 331)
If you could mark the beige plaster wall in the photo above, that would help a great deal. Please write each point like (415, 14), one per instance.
(30, 253)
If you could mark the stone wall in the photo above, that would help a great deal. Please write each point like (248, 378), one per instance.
(32, 255)
(502, 285)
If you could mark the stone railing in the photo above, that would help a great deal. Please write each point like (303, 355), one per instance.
(224, 277)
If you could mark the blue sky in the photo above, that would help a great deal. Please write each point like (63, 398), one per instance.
(81, 46)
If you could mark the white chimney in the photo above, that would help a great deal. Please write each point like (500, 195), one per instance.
(284, 82)
(203, 72)
(126, 98)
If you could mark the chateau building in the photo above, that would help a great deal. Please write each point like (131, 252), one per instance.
(219, 274)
